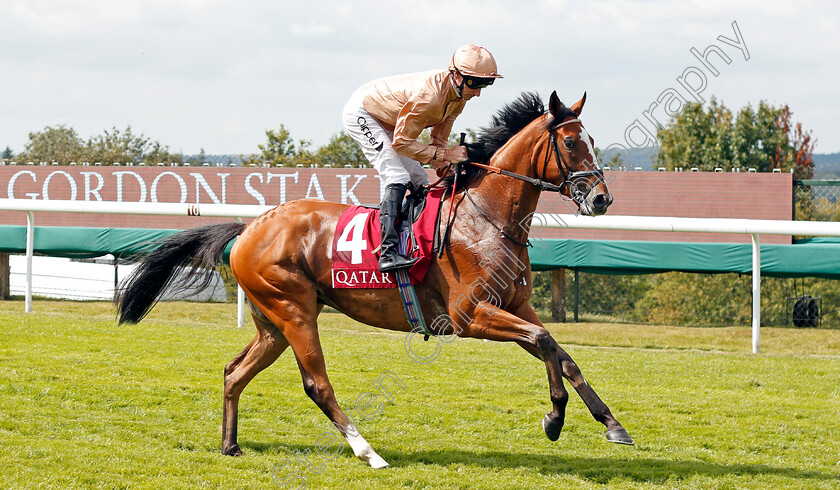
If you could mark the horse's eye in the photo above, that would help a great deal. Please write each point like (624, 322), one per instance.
(569, 143)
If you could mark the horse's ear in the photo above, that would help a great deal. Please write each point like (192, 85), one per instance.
(555, 107)
(577, 107)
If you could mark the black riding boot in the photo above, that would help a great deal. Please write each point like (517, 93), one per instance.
(389, 257)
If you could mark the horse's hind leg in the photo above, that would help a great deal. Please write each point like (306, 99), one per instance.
(266, 347)
(298, 323)
(318, 388)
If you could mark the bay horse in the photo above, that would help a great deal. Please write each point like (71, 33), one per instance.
(282, 262)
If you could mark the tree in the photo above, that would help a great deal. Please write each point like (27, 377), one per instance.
(764, 139)
(616, 160)
(54, 144)
(62, 144)
(157, 152)
(303, 156)
(279, 149)
(455, 138)
(121, 146)
(341, 151)
(8, 154)
(197, 159)
(801, 158)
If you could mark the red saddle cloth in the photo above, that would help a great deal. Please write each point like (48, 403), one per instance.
(358, 234)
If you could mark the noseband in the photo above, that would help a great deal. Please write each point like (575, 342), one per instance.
(568, 178)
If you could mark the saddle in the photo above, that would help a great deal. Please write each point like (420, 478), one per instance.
(355, 247)
(413, 204)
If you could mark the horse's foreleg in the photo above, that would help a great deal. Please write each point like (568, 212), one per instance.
(599, 410)
(266, 347)
(555, 419)
(505, 327)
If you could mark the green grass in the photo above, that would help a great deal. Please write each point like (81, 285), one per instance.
(85, 403)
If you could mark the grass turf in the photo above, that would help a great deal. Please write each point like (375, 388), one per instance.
(86, 403)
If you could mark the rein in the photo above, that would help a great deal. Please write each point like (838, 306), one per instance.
(568, 179)
(562, 165)
(543, 185)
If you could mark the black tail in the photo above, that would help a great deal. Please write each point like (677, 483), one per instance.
(198, 251)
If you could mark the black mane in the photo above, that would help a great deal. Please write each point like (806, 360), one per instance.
(508, 121)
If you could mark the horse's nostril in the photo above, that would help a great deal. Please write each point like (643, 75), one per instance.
(600, 201)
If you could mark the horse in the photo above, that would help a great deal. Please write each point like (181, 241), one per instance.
(480, 281)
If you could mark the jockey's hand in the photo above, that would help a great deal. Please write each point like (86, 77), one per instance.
(455, 154)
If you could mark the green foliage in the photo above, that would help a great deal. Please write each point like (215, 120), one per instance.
(616, 296)
(677, 298)
(84, 403)
(692, 299)
(764, 139)
(117, 145)
(198, 159)
(725, 299)
(817, 203)
(54, 144)
(806, 206)
(341, 151)
(281, 150)
(455, 138)
(7, 154)
(62, 144)
(616, 159)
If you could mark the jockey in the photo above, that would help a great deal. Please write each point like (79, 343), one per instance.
(386, 116)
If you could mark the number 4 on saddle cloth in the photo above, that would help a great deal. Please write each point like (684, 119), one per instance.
(355, 248)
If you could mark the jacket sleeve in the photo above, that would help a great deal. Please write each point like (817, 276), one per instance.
(411, 121)
(440, 131)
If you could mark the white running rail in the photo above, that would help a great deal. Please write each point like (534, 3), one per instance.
(607, 222)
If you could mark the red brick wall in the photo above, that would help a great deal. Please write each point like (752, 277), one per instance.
(707, 195)
(695, 195)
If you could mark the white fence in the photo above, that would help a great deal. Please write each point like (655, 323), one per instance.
(635, 223)
(86, 279)
(57, 277)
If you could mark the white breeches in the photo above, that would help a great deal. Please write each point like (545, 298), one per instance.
(376, 145)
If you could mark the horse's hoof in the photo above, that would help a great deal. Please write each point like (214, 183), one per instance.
(552, 428)
(232, 451)
(619, 436)
(378, 463)
(370, 457)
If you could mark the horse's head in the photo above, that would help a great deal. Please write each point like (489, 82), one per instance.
(571, 160)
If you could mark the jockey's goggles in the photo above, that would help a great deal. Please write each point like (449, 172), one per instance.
(477, 83)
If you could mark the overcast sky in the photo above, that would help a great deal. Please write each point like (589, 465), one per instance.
(213, 74)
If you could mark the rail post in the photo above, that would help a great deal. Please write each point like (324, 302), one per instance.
(30, 247)
(756, 293)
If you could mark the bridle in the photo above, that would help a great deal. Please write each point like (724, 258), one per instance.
(569, 179)
(569, 176)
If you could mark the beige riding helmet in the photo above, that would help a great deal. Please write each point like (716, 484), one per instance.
(474, 61)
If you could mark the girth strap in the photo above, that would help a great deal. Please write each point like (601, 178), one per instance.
(411, 304)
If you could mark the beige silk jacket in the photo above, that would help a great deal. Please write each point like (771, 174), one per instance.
(407, 104)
